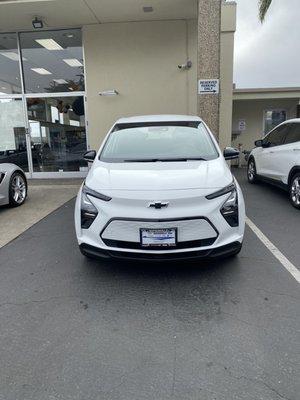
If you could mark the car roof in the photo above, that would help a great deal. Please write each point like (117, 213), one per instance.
(158, 118)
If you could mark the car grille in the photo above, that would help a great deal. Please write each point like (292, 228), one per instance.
(125, 233)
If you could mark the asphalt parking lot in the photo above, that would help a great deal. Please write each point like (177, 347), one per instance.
(72, 328)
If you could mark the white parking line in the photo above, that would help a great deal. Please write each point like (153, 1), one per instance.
(274, 250)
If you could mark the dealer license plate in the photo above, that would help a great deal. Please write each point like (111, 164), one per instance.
(158, 237)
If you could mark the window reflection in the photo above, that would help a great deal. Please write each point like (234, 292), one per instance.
(54, 61)
(58, 135)
(10, 82)
(273, 118)
(12, 133)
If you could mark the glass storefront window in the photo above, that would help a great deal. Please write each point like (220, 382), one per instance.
(58, 134)
(52, 61)
(12, 133)
(10, 82)
(273, 118)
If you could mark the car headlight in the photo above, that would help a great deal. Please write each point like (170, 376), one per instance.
(2, 175)
(88, 211)
(230, 208)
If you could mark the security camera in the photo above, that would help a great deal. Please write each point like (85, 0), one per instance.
(185, 66)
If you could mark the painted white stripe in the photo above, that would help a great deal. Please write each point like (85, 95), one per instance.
(274, 250)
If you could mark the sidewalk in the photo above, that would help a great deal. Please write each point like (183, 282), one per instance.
(44, 196)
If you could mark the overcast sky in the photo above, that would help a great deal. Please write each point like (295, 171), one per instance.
(268, 54)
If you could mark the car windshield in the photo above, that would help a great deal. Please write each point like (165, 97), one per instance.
(158, 143)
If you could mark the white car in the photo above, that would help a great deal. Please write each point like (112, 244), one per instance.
(160, 188)
(276, 159)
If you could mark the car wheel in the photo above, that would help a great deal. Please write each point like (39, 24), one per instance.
(294, 190)
(17, 189)
(251, 171)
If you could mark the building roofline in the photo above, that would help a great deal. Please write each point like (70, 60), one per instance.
(266, 93)
(267, 90)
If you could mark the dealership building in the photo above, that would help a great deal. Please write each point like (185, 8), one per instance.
(69, 69)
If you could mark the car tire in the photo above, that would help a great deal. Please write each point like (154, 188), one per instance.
(17, 189)
(294, 190)
(251, 171)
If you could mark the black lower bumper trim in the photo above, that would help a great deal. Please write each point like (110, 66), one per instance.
(180, 245)
(218, 252)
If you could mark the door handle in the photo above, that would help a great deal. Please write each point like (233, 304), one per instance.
(296, 149)
(271, 152)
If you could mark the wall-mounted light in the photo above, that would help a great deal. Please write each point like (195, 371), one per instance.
(37, 23)
(112, 92)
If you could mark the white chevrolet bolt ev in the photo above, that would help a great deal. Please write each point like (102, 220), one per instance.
(160, 189)
(276, 159)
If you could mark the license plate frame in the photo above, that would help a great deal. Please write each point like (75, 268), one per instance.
(158, 241)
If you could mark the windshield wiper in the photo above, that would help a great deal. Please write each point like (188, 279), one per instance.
(166, 159)
(142, 160)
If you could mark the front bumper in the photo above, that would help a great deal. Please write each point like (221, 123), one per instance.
(210, 254)
(202, 232)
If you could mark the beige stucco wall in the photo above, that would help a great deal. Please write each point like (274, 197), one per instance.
(252, 111)
(140, 60)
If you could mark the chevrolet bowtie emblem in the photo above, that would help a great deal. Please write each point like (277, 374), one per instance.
(158, 205)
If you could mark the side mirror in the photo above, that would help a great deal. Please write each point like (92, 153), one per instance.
(89, 155)
(258, 143)
(230, 153)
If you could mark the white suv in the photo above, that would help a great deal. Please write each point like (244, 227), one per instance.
(276, 159)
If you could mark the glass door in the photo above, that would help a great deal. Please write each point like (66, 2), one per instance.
(58, 134)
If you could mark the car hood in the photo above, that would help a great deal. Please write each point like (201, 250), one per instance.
(213, 174)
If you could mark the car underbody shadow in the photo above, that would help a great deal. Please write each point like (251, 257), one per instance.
(155, 269)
